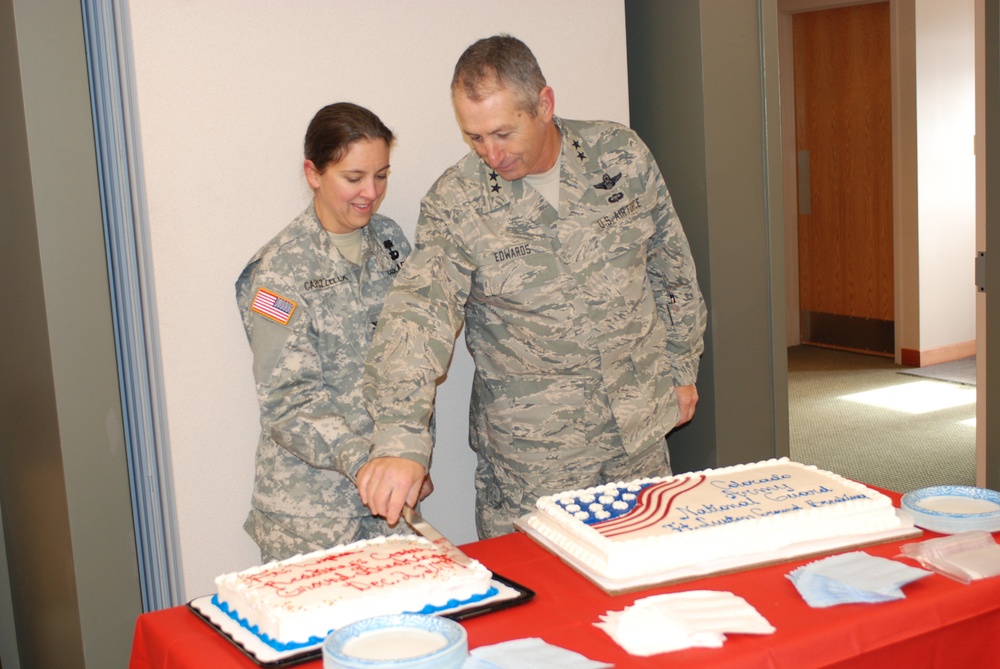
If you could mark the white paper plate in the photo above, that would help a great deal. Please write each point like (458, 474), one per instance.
(404, 641)
(950, 509)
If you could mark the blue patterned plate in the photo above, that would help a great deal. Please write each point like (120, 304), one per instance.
(400, 641)
(951, 509)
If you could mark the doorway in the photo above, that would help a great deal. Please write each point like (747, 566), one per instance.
(916, 286)
(843, 146)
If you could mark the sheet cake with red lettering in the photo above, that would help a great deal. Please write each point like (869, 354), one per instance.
(295, 603)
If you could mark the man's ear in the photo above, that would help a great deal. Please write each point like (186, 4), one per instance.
(546, 104)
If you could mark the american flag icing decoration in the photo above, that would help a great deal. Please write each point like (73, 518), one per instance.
(628, 512)
(651, 507)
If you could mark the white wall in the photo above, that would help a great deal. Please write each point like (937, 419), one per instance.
(225, 91)
(946, 171)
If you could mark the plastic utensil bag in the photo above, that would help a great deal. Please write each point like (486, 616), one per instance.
(964, 557)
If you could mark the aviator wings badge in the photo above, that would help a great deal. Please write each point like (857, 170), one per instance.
(608, 182)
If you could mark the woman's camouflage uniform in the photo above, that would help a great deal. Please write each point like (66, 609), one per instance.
(309, 315)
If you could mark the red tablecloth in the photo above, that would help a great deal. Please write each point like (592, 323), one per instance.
(940, 623)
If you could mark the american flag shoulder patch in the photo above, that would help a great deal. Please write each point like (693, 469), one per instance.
(273, 306)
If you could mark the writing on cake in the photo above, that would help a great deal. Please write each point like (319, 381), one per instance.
(355, 571)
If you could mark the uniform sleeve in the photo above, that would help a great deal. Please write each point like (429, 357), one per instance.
(674, 283)
(298, 409)
(415, 338)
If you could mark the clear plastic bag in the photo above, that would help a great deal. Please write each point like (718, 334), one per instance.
(965, 557)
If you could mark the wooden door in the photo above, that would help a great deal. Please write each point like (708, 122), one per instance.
(843, 138)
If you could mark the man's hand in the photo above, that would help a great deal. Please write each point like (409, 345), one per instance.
(687, 400)
(426, 488)
(388, 484)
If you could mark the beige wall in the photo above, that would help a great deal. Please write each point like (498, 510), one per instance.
(946, 182)
(225, 90)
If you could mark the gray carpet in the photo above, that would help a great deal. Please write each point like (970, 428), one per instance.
(957, 371)
(883, 447)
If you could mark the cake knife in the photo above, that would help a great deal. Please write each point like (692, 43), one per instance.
(427, 531)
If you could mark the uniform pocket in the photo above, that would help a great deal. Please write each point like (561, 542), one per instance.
(512, 271)
(523, 293)
(625, 254)
(268, 343)
(532, 420)
(628, 236)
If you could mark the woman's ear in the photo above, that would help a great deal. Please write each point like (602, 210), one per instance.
(312, 174)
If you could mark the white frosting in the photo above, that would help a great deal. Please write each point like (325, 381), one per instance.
(309, 595)
(714, 514)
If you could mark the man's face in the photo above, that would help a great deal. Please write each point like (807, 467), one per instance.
(505, 135)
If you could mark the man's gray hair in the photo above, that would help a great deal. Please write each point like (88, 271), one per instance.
(495, 62)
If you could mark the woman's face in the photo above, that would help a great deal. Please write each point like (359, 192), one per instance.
(348, 192)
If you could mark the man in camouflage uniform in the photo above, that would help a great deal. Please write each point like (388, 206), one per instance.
(580, 304)
(309, 315)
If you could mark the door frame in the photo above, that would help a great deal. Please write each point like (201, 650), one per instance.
(904, 158)
(904, 174)
(987, 13)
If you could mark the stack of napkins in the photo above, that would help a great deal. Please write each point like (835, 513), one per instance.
(699, 618)
(853, 577)
(531, 653)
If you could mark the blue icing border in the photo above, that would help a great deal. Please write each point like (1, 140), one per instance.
(296, 645)
(613, 513)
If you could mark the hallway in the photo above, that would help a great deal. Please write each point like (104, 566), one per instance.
(856, 415)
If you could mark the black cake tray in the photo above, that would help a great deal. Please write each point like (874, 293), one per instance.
(511, 594)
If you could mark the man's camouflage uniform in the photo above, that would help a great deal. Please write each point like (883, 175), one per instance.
(309, 315)
(580, 323)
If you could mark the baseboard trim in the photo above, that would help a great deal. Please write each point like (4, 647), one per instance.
(847, 349)
(848, 333)
(933, 356)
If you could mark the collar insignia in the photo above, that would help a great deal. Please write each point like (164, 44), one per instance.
(390, 247)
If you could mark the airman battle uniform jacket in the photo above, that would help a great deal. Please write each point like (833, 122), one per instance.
(580, 321)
